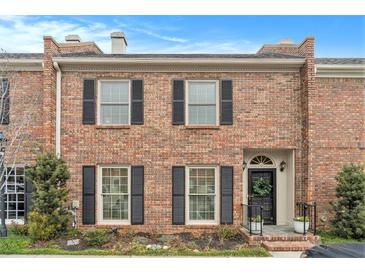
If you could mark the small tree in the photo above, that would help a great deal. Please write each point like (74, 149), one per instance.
(49, 216)
(349, 220)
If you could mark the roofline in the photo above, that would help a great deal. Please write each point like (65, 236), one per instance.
(340, 70)
(21, 60)
(22, 64)
(101, 60)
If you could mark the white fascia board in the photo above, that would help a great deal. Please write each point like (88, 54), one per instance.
(100, 60)
(21, 61)
(340, 71)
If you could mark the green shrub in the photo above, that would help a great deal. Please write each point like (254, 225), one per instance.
(49, 217)
(301, 219)
(97, 238)
(21, 230)
(349, 209)
(227, 232)
(256, 219)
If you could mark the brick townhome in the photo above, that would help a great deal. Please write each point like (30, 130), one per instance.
(177, 141)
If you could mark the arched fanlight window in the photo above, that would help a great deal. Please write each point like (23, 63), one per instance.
(261, 160)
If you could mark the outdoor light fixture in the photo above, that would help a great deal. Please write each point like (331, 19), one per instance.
(282, 165)
(244, 165)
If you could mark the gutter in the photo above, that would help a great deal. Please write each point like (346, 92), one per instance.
(58, 108)
(243, 61)
(340, 71)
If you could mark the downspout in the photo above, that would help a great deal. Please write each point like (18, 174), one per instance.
(58, 108)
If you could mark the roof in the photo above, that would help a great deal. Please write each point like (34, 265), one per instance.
(340, 61)
(182, 56)
(21, 55)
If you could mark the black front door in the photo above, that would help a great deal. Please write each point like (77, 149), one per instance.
(262, 191)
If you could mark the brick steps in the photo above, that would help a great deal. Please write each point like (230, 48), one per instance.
(286, 245)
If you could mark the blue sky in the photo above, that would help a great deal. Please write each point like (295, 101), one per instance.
(336, 36)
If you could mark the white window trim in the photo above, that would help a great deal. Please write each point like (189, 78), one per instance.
(16, 221)
(216, 102)
(99, 103)
(99, 201)
(216, 200)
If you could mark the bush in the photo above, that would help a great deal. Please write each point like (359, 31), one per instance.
(227, 232)
(21, 230)
(97, 238)
(301, 219)
(49, 217)
(349, 219)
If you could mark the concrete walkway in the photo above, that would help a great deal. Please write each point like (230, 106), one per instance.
(286, 254)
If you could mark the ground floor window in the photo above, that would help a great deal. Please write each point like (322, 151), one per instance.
(202, 193)
(14, 193)
(114, 194)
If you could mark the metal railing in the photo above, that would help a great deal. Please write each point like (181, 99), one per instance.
(308, 211)
(252, 218)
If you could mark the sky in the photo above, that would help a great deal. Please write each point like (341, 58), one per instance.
(336, 36)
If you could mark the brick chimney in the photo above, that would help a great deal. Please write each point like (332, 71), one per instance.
(285, 46)
(119, 43)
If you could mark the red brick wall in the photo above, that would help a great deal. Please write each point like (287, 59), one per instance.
(266, 109)
(25, 130)
(338, 125)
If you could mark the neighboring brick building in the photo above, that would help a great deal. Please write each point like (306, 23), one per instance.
(178, 141)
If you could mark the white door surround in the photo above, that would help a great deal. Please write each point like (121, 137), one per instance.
(285, 179)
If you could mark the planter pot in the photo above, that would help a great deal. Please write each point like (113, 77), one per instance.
(299, 227)
(256, 227)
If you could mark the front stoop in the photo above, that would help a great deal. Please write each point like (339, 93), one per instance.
(290, 242)
(287, 245)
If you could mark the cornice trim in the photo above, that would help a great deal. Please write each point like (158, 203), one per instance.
(340, 71)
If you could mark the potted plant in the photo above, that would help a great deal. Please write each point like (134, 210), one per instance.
(299, 224)
(256, 224)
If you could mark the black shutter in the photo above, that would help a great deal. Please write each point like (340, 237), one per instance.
(178, 117)
(137, 195)
(89, 98)
(137, 102)
(178, 195)
(226, 103)
(226, 195)
(5, 108)
(27, 198)
(88, 195)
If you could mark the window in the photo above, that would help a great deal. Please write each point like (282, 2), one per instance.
(261, 160)
(114, 102)
(14, 193)
(202, 194)
(202, 102)
(114, 194)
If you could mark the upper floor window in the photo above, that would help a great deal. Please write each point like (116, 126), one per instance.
(114, 102)
(202, 102)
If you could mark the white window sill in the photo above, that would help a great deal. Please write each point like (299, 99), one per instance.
(13, 222)
(114, 223)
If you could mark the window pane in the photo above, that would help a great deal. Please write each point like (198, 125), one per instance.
(201, 194)
(115, 199)
(202, 92)
(106, 185)
(114, 92)
(201, 207)
(114, 114)
(204, 115)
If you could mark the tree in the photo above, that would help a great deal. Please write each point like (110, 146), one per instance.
(349, 220)
(49, 217)
(16, 128)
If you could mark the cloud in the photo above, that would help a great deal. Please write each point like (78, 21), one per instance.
(25, 34)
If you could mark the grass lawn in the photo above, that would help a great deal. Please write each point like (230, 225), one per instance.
(15, 244)
(330, 238)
